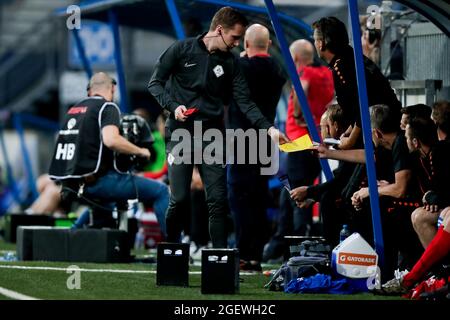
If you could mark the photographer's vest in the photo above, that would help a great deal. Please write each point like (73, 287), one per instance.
(79, 147)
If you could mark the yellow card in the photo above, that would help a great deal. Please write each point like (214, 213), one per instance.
(299, 144)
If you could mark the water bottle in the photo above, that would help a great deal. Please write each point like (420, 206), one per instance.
(345, 232)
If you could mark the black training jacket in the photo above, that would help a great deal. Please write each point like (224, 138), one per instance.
(379, 90)
(198, 78)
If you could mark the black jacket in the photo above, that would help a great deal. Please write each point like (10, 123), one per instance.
(198, 78)
(265, 82)
(379, 90)
(341, 174)
(441, 172)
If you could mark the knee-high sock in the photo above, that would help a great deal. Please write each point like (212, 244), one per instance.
(438, 248)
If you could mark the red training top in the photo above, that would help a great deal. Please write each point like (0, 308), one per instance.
(319, 95)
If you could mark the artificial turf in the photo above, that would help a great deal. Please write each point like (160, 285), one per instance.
(52, 284)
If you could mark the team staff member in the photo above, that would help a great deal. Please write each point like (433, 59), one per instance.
(248, 190)
(84, 155)
(303, 166)
(332, 44)
(432, 172)
(328, 193)
(395, 186)
(204, 74)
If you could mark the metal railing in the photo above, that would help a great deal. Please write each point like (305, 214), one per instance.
(428, 88)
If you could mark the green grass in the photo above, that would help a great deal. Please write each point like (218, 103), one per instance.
(5, 246)
(50, 284)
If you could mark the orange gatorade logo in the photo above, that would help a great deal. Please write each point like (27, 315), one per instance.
(357, 259)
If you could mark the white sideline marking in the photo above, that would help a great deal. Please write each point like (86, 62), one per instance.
(15, 295)
(85, 270)
(102, 270)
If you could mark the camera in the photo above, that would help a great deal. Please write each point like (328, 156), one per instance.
(374, 35)
(136, 130)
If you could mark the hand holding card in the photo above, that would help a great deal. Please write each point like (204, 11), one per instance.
(190, 111)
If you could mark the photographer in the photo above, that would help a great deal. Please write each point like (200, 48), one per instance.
(370, 40)
(84, 157)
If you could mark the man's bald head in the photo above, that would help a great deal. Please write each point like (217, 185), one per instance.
(101, 81)
(257, 37)
(102, 84)
(302, 51)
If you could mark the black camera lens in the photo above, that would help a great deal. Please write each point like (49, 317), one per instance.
(374, 35)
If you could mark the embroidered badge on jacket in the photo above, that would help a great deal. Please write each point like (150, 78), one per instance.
(218, 71)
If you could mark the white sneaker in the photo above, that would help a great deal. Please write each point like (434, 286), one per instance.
(197, 254)
(192, 248)
(186, 239)
(395, 286)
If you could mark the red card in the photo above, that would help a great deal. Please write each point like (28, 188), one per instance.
(190, 111)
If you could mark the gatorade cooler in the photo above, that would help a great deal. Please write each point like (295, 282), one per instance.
(355, 259)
